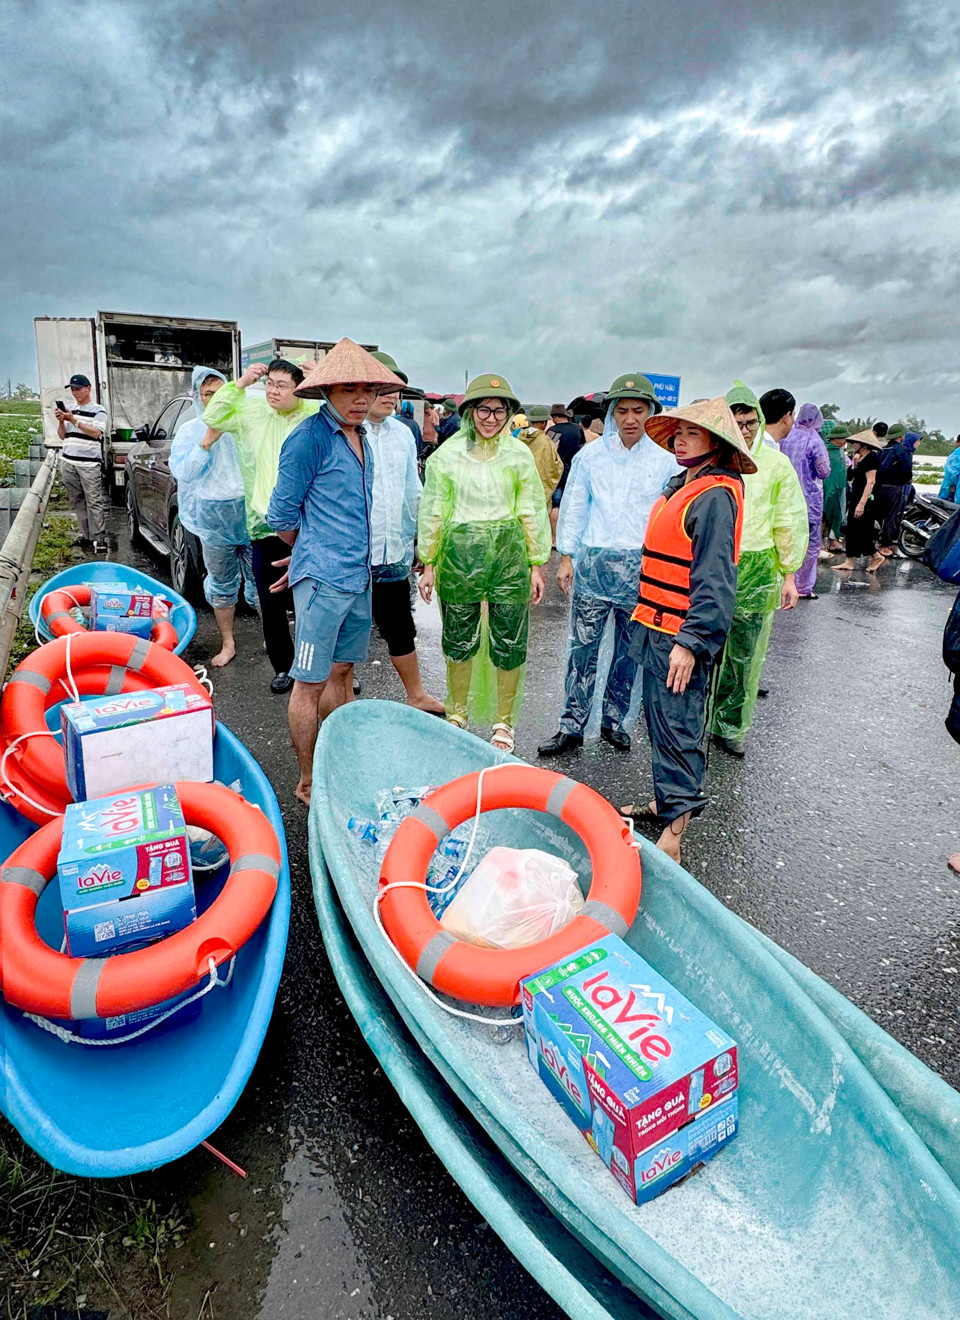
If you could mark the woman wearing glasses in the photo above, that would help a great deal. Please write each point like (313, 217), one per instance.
(483, 533)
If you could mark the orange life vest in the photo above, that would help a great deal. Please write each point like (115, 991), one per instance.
(664, 596)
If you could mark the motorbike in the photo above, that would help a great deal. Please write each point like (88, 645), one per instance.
(922, 519)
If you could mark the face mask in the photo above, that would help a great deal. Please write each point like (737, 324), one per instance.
(696, 462)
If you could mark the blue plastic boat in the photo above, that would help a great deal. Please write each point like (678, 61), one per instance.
(108, 1111)
(182, 614)
(829, 1203)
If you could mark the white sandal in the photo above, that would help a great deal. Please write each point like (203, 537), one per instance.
(502, 738)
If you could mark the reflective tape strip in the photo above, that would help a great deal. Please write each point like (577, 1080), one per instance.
(115, 682)
(83, 996)
(26, 876)
(139, 653)
(33, 678)
(559, 794)
(432, 819)
(256, 862)
(606, 915)
(432, 953)
(57, 614)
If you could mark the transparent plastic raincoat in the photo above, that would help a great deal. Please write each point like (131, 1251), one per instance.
(603, 516)
(259, 432)
(774, 542)
(209, 482)
(483, 524)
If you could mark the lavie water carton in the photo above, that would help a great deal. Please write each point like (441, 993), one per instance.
(631, 1060)
(115, 608)
(161, 734)
(674, 1156)
(124, 871)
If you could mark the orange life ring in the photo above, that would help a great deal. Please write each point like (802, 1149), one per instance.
(110, 663)
(55, 612)
(492, 976)
(38, 979)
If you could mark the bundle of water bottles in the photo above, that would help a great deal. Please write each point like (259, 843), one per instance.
(443, 875)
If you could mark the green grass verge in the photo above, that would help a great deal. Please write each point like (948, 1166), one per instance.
(15, 435)
(31, 406)
(55, 549)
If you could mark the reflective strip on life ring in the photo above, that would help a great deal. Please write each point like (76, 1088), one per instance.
(492, 976)
(55, 612)
(38, 979)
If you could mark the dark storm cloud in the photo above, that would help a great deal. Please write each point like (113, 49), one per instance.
(564, 190)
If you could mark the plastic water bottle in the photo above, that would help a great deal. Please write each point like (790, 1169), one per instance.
(365, 830)
(696, 1092)
(439, 902)
(603, 1134)
(451, 847)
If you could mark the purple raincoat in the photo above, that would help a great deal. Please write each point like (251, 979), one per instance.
(808, 454)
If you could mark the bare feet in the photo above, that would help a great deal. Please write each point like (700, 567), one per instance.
(876, 562)
(302, 791)
(846, 567)
(953, 861)
(224, 655)
(669, 841)
(424, 701)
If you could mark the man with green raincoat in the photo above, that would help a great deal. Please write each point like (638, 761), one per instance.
(483, 533)
(773, 546)
(836, 435)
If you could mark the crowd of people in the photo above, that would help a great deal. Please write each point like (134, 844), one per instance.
(680, 533)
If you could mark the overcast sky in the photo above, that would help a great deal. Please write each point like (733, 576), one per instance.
(559, 193)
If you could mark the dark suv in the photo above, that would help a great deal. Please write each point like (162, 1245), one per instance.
(152, 504)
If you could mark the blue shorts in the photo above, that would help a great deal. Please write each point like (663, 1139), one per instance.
(333, 627)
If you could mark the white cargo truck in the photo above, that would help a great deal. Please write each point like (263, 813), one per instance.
(294, 350)
(136, 365)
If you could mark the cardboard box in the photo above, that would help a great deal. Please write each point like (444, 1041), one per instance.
(673, 1157)
(125, 1024)
(606, 1032)
(162, 734)
(115, 608)
(124, 872)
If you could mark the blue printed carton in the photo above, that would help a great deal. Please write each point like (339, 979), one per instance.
(115, 608)
(631, 1060)
(165, 732)
(115, 1028)
(124, 871)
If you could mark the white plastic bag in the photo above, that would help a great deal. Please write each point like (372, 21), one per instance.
(515, 896)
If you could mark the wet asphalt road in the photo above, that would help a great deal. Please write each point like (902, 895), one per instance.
(831, 836)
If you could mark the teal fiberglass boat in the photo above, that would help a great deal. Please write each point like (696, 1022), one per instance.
(829, 1202)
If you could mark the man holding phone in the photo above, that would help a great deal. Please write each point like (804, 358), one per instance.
(82, 429)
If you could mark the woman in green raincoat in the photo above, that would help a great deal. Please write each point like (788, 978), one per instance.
(483, 533)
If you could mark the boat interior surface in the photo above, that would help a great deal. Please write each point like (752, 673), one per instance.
(827, 1203)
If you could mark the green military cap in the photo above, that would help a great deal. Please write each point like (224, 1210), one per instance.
(489, 387)
(633, 386)
(538, 412)
(839, 431)
(390, 365)
(896, 432)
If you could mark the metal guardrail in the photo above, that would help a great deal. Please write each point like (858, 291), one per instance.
(16, 555)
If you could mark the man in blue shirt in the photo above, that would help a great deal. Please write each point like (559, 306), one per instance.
(321, 506)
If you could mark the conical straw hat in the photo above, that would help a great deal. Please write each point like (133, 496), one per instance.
(713, 415)
(866, 438)
(345, 364)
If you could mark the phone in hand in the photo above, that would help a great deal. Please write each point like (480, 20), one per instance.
(60, 404)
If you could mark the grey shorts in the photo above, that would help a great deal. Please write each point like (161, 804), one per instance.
(333, 627)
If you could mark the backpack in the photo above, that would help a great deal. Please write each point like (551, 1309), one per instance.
(942, 554)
